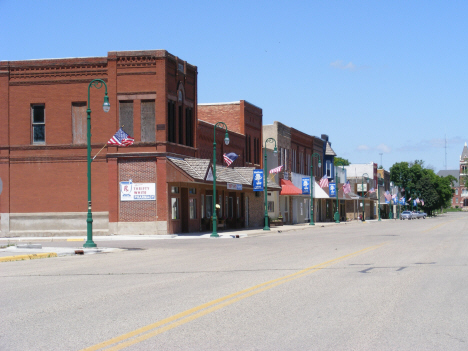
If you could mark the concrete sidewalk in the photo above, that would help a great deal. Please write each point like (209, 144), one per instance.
(22, 248)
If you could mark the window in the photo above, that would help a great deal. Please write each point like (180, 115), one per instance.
(175, 189)
(203, 205)
(238, 207)
(231, 207)
(329, 169)
(457, 200)
(192, 191)
(193, 208)
(38, 124)
(79, 120)
(271, 206)
(171, 136)
(181, 125)
(209, 205)
(456, 191)
(175, 207)
(126, 116)
(148, 121)
(188, 127)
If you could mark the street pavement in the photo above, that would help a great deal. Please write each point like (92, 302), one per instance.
(389, 285)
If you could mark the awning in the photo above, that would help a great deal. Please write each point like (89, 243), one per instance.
(288, 188)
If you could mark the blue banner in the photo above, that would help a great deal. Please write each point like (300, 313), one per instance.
(332, 189)
(305, 186)
(257, 182)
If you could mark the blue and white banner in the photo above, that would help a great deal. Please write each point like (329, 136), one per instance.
(257, 182)
(305, 186)
(332, 189)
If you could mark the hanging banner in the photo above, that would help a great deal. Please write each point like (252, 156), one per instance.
(332, 189)
(257, 182)
(130, 191)
(305, 186)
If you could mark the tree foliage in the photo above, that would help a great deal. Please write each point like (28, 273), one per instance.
(423, 183)
(341, 161)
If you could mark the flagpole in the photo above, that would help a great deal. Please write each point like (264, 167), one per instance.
(99, 151)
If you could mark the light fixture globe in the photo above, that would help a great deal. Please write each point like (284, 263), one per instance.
(275, 152)
(226, 139)
(106, 104)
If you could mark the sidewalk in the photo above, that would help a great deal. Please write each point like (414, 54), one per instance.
(22, 248)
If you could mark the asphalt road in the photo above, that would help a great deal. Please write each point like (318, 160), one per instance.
(390, 285)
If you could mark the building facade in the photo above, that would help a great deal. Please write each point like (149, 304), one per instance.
(460, 196)
(153, 97)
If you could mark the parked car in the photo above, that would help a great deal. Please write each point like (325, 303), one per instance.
(420, 214)
(407, 215)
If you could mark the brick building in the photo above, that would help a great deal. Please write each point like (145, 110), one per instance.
(460, 196)
(153, 95)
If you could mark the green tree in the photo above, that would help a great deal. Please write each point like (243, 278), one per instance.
(341, 161)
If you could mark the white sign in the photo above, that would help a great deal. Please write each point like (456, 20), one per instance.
(359, 187)
(130, 191)
(232, 186)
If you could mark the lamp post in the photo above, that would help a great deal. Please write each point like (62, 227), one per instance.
(378, 194)
(362, 189)
(337, 213)
(98, 84)
(312, 181)
(275, 152)
(214, 233)
(390, 215)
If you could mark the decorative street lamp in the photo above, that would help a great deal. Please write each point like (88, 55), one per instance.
(275, 152)
(337, 213)
(98, 84)
(312, 181)
(365, 175)
(390, 215)
(214, 234)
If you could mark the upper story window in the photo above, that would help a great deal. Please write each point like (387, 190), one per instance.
(38, 124)
(148, 121)
(329, 169)
(126, 116)
(79, 120)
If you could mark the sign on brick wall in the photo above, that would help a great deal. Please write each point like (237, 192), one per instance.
(130, 191)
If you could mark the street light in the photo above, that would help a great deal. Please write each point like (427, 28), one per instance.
(98, 84)
(337, 213)
(378, 193)
(275, 152)
(362, 190)
(214, 234)
(390, 215)
(312, 181)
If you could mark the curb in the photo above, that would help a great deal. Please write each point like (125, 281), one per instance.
(27, 257)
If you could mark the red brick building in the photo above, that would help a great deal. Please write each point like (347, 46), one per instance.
(153, 95)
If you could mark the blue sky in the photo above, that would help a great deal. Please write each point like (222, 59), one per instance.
(378, 77)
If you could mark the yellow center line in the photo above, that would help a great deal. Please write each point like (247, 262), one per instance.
(169, 323)
(437, 226)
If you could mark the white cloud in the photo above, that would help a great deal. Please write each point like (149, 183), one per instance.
(384, 148)
(340, 65)
(363, 148)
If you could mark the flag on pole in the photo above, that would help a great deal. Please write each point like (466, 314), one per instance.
(372, 191)
(324, 181)
(409, 199)
(230, 158)
(276, 170)
(388, 196)
(417, 200)
(422, 202)
(121, 139)
(347, 187)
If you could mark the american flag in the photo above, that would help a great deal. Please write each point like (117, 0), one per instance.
(230, 158)
(417, 200)
(388, 196)
(372, 191)
(422, 202)
(347, 187)
(276, 170)
(324, 181)
(121, 139)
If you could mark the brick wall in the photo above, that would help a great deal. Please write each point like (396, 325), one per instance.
(140, 171)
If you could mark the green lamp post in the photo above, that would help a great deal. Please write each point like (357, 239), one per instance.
(390, 215)
(378, 194)
(98, 84)
(337, 213)
(365, 175)
(312, 181)
(275, 152)
(214, 233)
